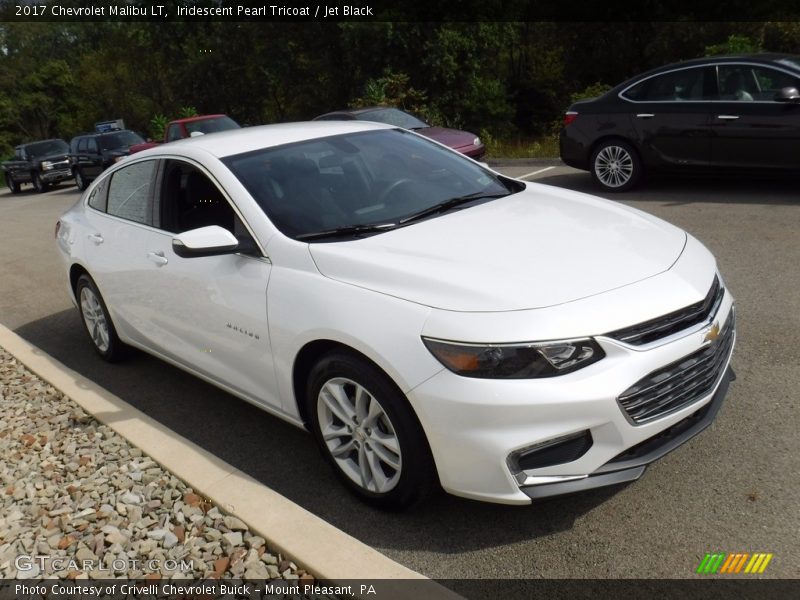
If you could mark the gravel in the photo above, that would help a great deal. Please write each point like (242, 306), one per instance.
(77, 501)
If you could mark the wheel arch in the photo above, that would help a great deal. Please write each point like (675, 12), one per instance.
(75, 272)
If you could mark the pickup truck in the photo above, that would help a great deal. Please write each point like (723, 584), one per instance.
(190, 127)
(38, 163)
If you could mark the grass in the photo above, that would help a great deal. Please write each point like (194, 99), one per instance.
(542, 147)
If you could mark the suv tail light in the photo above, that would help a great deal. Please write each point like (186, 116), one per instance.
(569, 117)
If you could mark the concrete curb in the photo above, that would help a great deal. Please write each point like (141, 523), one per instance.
(315, 544)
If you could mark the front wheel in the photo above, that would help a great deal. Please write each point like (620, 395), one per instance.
(80, 181)
(616, 166)
(97, 321)
(39, 185)
(14, 186)
(368, 432)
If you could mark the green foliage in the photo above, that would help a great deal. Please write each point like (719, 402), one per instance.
(158, 125)
(186, 112)
(593, 91)
(509, 81)
(393, 89)
(735, 44)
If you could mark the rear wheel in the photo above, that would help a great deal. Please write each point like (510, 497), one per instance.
(616, 166)
(97, 321)
(368, 432)
(39, 185)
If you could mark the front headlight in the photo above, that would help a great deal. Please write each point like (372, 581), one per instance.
(515, 361)
(47, 165)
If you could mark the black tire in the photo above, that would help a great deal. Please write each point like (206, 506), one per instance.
(80, 181)
(616, 166)
(39, 185)
(108, 346)
(393, 420)
(14, 186)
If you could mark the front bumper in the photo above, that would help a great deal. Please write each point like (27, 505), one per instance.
(56, 175)
(631, 464)
(478, 428)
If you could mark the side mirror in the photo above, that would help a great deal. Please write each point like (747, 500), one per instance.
(788, 94)
(205, 241)
(196, 134)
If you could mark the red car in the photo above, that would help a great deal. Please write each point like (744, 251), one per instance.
(463, 141)
(190, 127)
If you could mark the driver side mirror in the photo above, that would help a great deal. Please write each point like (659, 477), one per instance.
(205, 241)
(788, 94)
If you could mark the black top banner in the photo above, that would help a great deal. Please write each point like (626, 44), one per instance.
(395, 10)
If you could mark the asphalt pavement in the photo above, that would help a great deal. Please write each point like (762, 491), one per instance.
(734, 488)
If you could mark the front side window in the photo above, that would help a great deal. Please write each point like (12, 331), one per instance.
(129, 192)
(676, 86)
(383, 177)
(752, 83)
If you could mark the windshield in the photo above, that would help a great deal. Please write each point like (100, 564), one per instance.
(47, 148)
(367, 178)
(392, 116)
(119, 139)
(211, 125)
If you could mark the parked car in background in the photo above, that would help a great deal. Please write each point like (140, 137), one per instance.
(38, 163)
(465, 142)
(423, 316)
(716, 114)
(190, 127)
(92, 153)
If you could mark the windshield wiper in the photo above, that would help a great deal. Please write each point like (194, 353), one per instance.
(347, 231)
(450, 204)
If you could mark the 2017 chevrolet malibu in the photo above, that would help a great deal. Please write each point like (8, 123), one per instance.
(430, 321)
(719, 114)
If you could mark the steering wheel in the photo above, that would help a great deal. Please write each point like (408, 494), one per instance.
(391, 188)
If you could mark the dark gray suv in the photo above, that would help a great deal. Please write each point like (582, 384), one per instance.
(92, 153)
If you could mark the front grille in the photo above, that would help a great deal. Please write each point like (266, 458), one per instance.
(660, 327)
(680, 383)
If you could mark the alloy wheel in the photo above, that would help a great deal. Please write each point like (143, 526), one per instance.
(95, 318)
(614, 166)
(359, 435)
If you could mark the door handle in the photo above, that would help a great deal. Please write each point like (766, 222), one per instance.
(728, 117)
(158, 258)
(96, 238)
(645, 115)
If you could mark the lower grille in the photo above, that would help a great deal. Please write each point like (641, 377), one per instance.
(680, 383)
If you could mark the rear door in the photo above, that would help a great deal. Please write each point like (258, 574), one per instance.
(119, 221)
(750, 129)
(670, 115)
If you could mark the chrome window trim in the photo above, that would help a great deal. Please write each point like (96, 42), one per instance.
(703, 66)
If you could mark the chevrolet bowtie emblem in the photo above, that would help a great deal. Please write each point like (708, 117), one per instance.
(712, 334)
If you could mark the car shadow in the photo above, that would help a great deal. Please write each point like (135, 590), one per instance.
(774, 190)
(285, 458)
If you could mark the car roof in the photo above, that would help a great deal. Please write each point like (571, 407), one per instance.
(763, 57)
(358, 111)
(247, 139)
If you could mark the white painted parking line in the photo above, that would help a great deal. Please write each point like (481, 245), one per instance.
(535, 173)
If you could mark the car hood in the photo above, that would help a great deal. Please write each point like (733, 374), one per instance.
(452, 138)
(537, 248)
(56, 157)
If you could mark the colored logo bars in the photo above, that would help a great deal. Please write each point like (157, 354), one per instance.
(741, 562)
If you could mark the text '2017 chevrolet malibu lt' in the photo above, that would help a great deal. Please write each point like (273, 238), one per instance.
(430, 321)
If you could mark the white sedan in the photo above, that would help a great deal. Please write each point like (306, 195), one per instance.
(430, 321)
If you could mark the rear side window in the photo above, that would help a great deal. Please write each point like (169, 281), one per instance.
(129, 192)
(677, 86)
(99, 196)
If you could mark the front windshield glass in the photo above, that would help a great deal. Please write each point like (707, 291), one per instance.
(392, 116)
(119, 139)
(47, 148)
(358, 179)
(211, 125)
